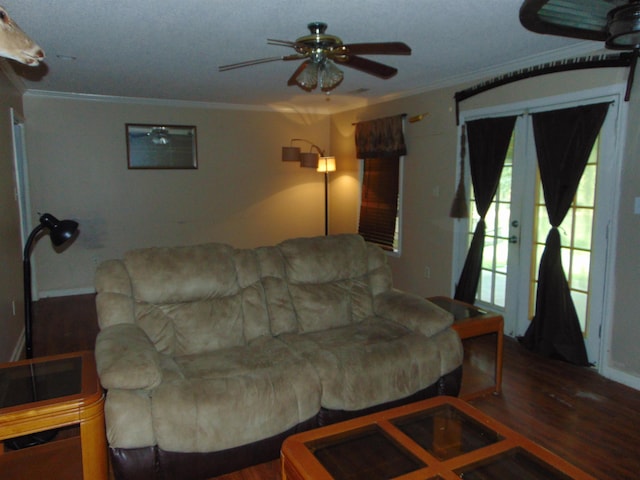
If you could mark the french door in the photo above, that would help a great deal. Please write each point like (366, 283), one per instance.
(517, 226)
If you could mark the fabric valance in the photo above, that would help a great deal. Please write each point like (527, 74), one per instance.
(380, 138)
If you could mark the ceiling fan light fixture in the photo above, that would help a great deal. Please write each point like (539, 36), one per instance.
(307, 79)
(329, 76)
(623, 24)
(160, 136)
(160, 139)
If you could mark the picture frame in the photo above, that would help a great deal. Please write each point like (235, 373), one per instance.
(160, 146)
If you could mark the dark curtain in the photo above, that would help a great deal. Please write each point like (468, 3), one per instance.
(380, 143)
(488, 144)
(564, 139)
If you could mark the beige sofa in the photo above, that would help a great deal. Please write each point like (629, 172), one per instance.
(212, 355)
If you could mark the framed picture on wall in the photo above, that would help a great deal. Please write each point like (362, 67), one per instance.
(161, 146)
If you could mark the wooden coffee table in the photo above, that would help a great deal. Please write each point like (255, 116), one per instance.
(49, 393)
(439, 438)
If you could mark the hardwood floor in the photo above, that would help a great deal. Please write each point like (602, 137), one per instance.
(590, 421)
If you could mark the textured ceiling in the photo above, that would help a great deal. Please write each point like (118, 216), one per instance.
(171, 50)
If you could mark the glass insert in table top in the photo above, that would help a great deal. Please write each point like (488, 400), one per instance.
(445, 432)
(516, 463)
(40, 381)
(365, 454)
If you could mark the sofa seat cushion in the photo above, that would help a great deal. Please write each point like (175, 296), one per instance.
(368, 363)
(231, 397)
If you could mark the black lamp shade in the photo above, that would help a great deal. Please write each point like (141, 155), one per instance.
(59, 230)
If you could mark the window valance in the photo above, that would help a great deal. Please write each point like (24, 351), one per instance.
(380, 138)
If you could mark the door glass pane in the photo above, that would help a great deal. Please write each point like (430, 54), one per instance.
(504, 214)
(502, 249)
(585, 197)
(580, 270)
(542, 225)
(501, 289)
(583, 228)
(580, 301)
(486, 285)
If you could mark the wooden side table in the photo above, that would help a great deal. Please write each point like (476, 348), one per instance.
(48, 393)
(471, 322)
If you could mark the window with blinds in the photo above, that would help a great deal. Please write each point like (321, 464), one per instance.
(379, 202)
(380, 144)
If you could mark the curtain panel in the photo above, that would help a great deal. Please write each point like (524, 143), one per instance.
(564, 140)
(489, 140)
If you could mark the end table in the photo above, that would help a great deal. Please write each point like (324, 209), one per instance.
(470, 322)
(47, 393)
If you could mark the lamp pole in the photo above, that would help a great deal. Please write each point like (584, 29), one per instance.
(26, 270)
(326, 202)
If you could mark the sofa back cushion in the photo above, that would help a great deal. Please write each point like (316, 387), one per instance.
(312, 284)
(197, 298)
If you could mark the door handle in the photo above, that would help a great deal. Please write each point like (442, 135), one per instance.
(513, 239)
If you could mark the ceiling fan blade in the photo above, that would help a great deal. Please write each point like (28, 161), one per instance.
(569, 18)
(381, 48)
(301, 48)
(368, 66)
(249, 63)
(284, 43)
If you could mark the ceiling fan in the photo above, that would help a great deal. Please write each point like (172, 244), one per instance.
(616, 22)
(321, 51)
(157, 135)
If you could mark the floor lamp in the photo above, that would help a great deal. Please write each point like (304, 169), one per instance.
(326, 165)
(60, 232)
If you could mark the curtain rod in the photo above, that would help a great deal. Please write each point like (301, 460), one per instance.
(414, 119)
(624, 59)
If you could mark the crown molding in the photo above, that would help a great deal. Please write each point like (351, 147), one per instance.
(159, 102)
(576, 50)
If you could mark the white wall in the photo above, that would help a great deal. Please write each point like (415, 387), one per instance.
(624, 350)
(241, 193)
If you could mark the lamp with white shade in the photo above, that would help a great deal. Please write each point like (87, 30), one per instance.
(321, 162)
(326, 165)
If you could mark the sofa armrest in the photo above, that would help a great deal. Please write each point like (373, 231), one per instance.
(414, 312)
(126, 358)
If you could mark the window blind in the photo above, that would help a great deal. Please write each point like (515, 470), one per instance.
(379, 203)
